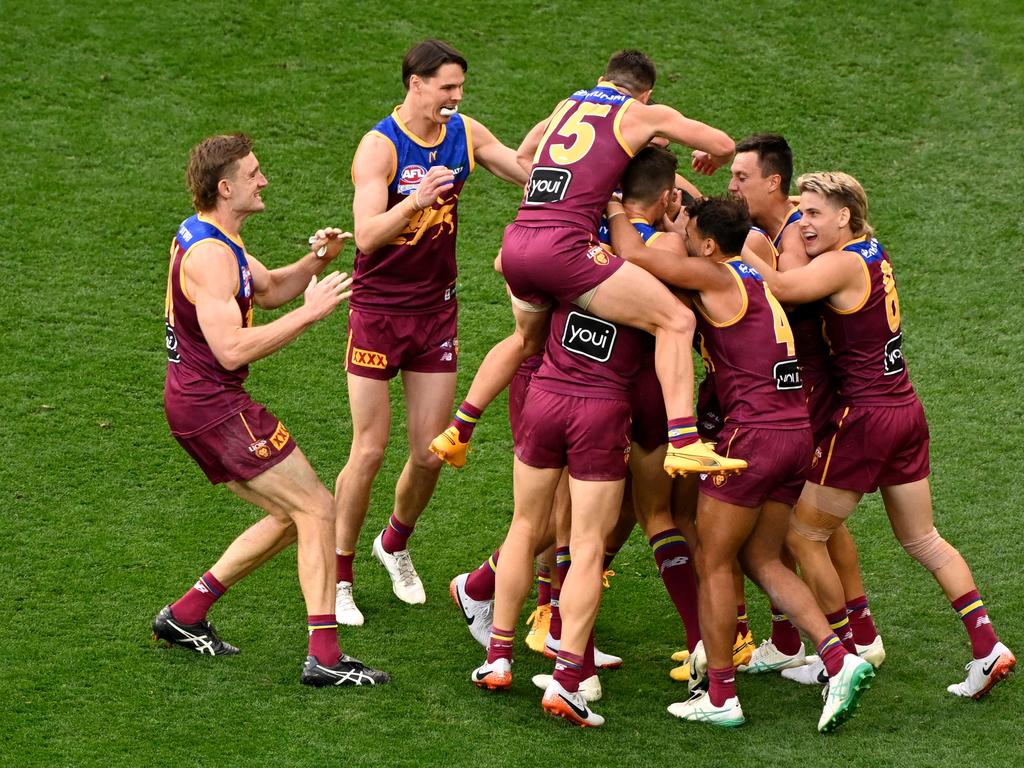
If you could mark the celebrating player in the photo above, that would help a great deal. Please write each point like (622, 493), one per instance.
(408, 173)
(212, 285)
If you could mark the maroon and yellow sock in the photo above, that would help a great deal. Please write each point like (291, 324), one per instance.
(785, 637)
(343, 566)
(864, 631)
(682, 432)
(480, 584)
(589, 667)
(543, 585)
(396, 535)
(465, 421)
(323, 638)
(675, 564)
(555, 628)
(721, 684)
(840, 624)
(973, 614)
(568, 668)
(831, 651)
(501, 644)
(192, 607)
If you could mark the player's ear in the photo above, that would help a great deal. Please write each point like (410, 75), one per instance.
(224, 187)
(844, 216)
(645, 96)
(774, 182)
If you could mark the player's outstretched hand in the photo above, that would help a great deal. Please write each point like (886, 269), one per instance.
(321, 298)
(703, 163)
(328, 242)
(438, 179)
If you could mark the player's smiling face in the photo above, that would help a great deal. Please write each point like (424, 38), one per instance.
(441, 90)
(748, 182)
(821, 223)
(246, 184)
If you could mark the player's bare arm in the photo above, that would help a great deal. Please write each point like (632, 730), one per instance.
(275, 287)
(500, 160)
(376, 224)
(667, 261)
(528, 147)
(838, 276)
(642, 122)
(792, 254)
(211, 277)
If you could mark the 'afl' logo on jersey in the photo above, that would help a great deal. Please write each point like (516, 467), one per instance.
(589, 336)
(410, 178)
(246, 282)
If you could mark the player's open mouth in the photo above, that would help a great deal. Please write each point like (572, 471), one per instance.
(449, 109)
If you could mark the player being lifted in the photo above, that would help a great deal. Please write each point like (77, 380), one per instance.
(879, 436)
(550, 252)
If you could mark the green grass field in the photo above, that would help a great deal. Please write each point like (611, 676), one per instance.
(105, 519)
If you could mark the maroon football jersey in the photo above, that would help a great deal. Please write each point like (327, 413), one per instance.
(588, 356)
(199, 392)
(415, 273)
(752, 358)
(579, 162)
(867, 341)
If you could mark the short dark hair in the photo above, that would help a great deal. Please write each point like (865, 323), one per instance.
(773, 154)
(649, 173)
(632, 70)
(210, 161)
(425, 58)
(725, 220)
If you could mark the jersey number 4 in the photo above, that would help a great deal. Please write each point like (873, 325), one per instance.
(783, 330)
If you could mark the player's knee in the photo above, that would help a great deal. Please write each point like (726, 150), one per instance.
(931, 550)
(801, 532)
(368, 455)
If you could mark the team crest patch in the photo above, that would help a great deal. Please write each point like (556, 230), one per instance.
(368, 359)
(719, 480)
(598, 255)
(260, 449)
(816, 458)
(280, 437)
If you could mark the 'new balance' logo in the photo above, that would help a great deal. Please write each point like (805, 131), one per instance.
(672, 562)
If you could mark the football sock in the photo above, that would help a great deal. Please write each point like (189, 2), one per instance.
(589, 667)
(675, 564)
(396, 536)
(192, 607)
(555, 627)
(568, 667)
(562, 563)
(972, 613)
(343, 566)
(742, 620)
(682, 432)
(543, 585)
(466, 418)
(840, 624)
(502, 642)
(831, 651)
(323, 639)
(721, 684)
(785, 637)
(609, 555)
(864, 632)
(480, 584)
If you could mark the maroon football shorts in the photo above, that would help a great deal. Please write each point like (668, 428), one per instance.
(709, 412)
(777, 462)
(381, 344)
(822, 402)
(240, 447)
(650, 422)
(589, 435)
(872, 446)
(517, 401)
(544, 263)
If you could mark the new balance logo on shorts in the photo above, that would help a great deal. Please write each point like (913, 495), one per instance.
(589, 336)
(547, 185)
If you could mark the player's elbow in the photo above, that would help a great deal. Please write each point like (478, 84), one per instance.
(724, 146)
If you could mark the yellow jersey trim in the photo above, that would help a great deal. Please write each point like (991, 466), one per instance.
(553, 121)
(394, 156)
(867, 282)
(469, 144)
(743, 294)
(784, 220)
(652, 238)
(616, 126)
(425, 144)
(236, 240)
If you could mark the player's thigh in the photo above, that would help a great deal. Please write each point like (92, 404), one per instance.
(370, 404)
(769, 534)
(290, 487)
(824, 508)
(595, 508)
(532, 324)
(534, 489)
(652, 489)
(633, 296)
(909, 508)
(429, 398)
(722, 528)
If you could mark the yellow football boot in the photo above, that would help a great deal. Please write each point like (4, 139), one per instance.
(697, 457)
(449, 448)
(540, 624)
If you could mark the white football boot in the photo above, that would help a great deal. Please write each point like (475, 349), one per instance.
(843, 691)
(479, 614)
(699, 709)
(345, 606)
(590, 688)
(768, 658)
(984, 673)
(404, 580)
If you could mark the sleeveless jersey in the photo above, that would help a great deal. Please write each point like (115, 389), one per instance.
(587, 356)
(198, 391)
(579, 162)
(867, 341)
(415, 273)
(751, 359)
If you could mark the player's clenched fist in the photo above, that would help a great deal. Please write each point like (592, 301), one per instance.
(437, 179)
(328, 242)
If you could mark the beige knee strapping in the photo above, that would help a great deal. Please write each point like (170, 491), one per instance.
(823, 501)
(810, 532)
(931, 550)
(583, 300)
(527, 306)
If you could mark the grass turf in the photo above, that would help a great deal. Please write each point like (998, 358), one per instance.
(106, 519)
